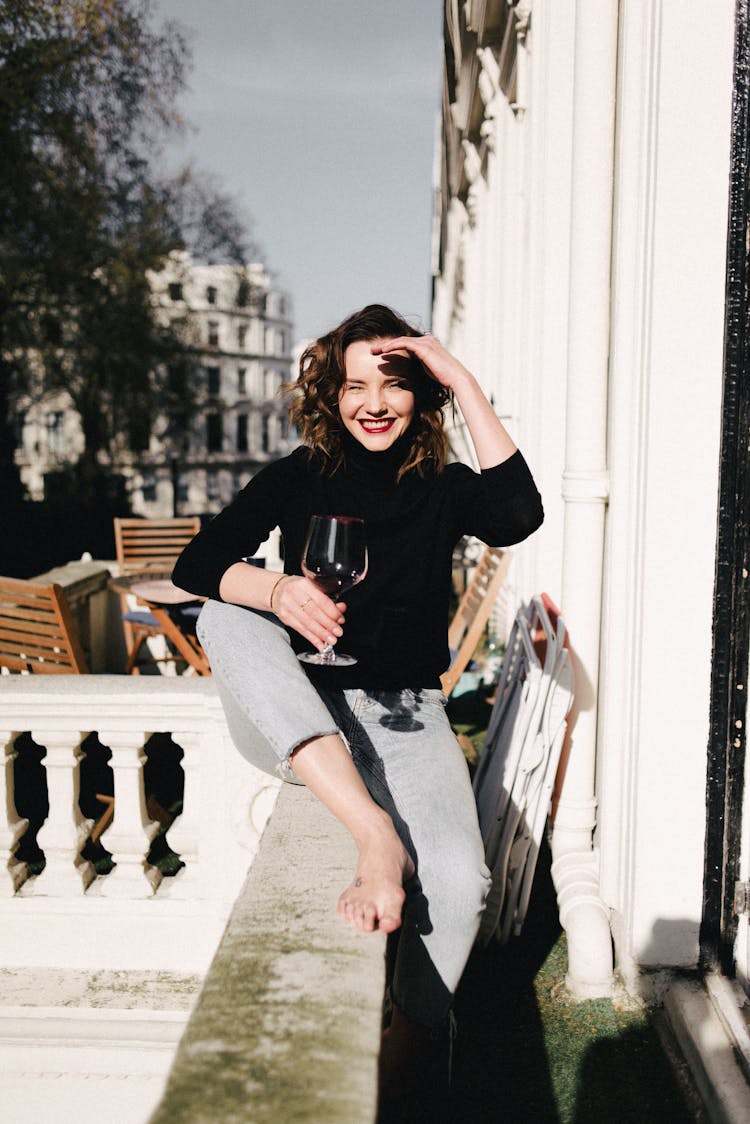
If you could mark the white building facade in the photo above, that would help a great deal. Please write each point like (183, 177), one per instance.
(586, 177)
(239, 325)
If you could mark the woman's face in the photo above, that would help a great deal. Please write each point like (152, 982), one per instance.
(376, 403)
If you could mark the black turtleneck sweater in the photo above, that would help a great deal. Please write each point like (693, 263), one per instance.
(396, 619)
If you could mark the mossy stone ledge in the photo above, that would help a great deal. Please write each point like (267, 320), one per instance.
(287, 1024)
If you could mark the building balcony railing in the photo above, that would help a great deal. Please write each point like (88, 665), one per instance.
(101, 970)
(67, 915)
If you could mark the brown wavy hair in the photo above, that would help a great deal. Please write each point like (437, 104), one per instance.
(314, 409)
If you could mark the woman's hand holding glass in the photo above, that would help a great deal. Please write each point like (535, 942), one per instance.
(334, 559)
(300, 605)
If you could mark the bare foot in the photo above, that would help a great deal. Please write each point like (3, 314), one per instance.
(376, 896)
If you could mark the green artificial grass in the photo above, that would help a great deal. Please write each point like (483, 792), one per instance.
(525, 1053)
(605, 1063)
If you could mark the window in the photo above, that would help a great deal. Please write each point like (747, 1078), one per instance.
(175, 291)
(243, 293)
(214, 433)
(281, 341)
(284, 426)
(55, 435)
(213, 489)
(269, 382)
(265, 439)
(242, 381)
(183, 487)
(211, 294)
(268, 341)
(242, 433)
(282, 307)
(213, 333)
(213, 380)
(241, 336)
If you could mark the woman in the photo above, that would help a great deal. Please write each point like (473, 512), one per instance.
(372, 740)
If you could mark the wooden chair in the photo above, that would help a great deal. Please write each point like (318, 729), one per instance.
(38, 636)
(143, 545)
(473, 612)
(37, 630)
(152, 544)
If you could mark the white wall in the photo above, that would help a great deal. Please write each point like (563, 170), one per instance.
(512, 332)
(673, 137)
(664, 405)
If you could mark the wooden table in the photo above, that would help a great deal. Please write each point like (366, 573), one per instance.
(156, 591)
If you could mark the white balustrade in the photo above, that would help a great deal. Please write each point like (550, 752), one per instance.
(12, 826)
(131, 832)
(185, 833)
(132, 918)
(65, 831)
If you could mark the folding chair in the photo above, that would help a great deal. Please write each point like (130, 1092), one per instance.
(473, 612)
(514, 780)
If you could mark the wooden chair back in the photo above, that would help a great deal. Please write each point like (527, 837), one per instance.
(473, 612)
(37, 630)
(143, 544)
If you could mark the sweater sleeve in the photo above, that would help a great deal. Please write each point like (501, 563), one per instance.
(236, 532)
(500, 505)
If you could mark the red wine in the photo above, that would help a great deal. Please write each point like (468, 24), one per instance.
(335, 558)
(333, 585)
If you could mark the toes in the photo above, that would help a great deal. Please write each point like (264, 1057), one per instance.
(369, 918)
(389, 922)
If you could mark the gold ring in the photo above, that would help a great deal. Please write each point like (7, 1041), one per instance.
(303, 606)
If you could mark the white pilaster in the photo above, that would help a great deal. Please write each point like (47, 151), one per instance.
(585, 481)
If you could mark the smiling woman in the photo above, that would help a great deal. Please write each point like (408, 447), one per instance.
(376, 402)
(371, 739)
(354, 377)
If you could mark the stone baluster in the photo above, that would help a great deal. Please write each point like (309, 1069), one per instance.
(11, 825)
(65, 830)
(131, 832)
(184, 834)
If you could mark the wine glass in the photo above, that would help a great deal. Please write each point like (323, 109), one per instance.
(335, 558)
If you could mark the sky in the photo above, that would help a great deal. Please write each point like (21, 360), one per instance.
(319, 117)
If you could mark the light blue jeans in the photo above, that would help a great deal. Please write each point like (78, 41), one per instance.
(407, 755)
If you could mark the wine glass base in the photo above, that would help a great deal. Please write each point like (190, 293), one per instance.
(327, 659)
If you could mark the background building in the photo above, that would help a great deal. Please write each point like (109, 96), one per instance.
(239, 325)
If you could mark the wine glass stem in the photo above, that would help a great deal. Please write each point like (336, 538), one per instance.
(327, 654)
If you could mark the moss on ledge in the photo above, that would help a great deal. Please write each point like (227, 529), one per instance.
(287, 1025)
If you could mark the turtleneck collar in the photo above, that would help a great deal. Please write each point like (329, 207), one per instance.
(380, 467)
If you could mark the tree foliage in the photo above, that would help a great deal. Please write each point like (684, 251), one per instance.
(87, 97)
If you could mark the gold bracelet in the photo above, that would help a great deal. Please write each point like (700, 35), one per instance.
(276, 585)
